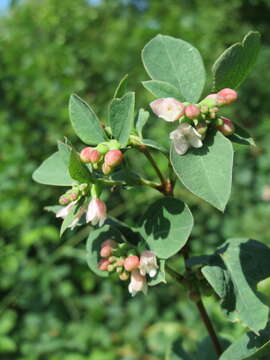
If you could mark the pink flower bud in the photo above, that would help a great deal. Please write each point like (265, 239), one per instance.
(96, 212)
(210, 101)
(131, 263)
(73, 196)
(103, 265)
(227, 128)
(137, 283)
(64, 200)
(109, 242)
(226, 96)
(106, 251)
(192, 111)
(113, 158)
(90, 155)
(106, 169)
(168, 109)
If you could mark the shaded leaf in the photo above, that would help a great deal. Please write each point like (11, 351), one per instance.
(176, 62)
(241, 136)
(121, 115)
(154, 145)
(234, 65)
(85, 122)
(166, 226)
(207, 171)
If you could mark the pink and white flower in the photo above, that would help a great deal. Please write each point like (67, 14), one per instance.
(137, 283)
(148, 263)
(96, 212)
(168, 109)
(184, 137)
(67, 209)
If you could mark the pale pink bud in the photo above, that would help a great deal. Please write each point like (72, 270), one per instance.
(90, 155)
(192, 111)
(137, 283)
(227, 128)
(210, 101)
(168, 109)
(148, 263)
(106, 251)
(103, 265)
(106, 169)
(96, 212)
(226, 96)
(131, 263)
(109, 242)
(113, 158)
(64, 200)
(266, 193)
(73, 196)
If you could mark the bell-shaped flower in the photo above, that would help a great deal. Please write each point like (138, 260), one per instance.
(137, 283)
(168, 109)
(184, 137)
(65, 210)
(96, 212)
(148, 263)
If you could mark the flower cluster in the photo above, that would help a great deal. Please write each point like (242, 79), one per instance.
(195, 119)
(105, 156)
(123, 260)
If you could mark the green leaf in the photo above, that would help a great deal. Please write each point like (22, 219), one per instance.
(154, 145)
(207, 172)
(53, 171)
(160, 276)
(166, 226)
(141, 121)
(234, 65)
(162, 89)
(122, 117)
(64, 150)
(121, 88)
(241, 136)
(93, 246)
(234, 273)
(85, 122)
(250, 347)
(53, 208)
(78, 170)
(176, 62)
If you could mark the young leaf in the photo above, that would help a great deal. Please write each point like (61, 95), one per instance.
(234, 273)
(162, 89)
(143, 116)
(121, 114)
(154, 145)
(249, 347)
(93, 246)
(121, 88)
(166, 227)
(176, 62)
(241, 136)
(207, 171)
(64, 150)
(234, 65)
(85, 122)
(78, 170)
(53, 171)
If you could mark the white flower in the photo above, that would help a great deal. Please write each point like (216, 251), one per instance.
(168, 109)
(96, 212)
(65, 210)
(77, 217)
(148, 263)
(137, 283)
(184, 137)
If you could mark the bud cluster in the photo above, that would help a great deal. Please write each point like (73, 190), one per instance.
(73, 194)
(122, 259)
(195, 118)
(105, 156)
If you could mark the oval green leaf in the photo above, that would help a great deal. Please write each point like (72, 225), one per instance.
(166, 227)
(162, 89)
(207, 172)
(175, 61)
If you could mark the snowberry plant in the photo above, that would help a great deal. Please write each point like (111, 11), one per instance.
(200, 155)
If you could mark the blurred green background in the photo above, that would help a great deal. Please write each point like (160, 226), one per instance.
(52, 307)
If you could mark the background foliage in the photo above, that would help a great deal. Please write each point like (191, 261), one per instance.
(52, 307)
